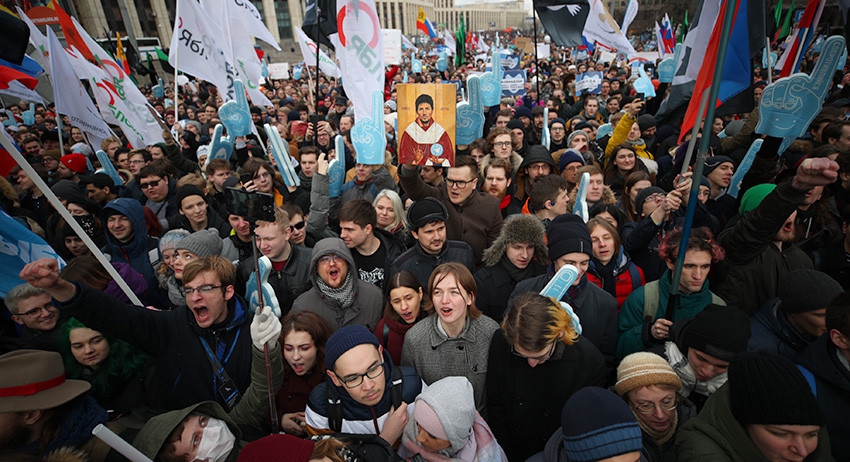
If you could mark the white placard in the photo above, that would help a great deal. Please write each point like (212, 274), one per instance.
(278, 71)
(392, 46)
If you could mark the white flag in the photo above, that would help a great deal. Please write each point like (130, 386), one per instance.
(247, 14)
(308, 51)
(38, 39)
(21, 92)
(450, 42)
(360, 50)
(70, 95)
(195, 49)
(482, 45)
(601, 27)
(631, 12)
(408, 45)
(660, 41)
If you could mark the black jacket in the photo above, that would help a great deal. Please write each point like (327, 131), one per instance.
(292, 281)
(422, 264)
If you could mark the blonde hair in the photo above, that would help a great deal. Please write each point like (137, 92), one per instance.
(531, 315)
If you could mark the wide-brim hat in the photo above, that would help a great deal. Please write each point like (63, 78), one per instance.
(34, 380)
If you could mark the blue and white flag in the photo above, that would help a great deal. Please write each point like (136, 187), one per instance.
(19, 246)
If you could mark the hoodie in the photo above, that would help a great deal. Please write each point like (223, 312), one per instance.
(368, 300)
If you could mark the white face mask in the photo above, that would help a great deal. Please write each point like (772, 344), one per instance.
(216, 443)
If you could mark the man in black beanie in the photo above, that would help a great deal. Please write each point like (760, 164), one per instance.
(766, 411)
(787, 325)
(569, 244)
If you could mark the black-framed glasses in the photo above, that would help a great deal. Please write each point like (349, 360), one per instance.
(503, 144)
(355, 380)
(461, 184)
(542, 357)
(37, 311)
(151, 184)
(649, 408)
(204, 289)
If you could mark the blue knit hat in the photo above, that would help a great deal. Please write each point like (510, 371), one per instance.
(606, 428)
(568, 157)
(345, 339)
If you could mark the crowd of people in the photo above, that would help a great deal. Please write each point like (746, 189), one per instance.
(402, 317)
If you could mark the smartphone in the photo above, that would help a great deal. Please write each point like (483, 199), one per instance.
(639, 95)
(246, 177)
(252, 206)
(315, 119)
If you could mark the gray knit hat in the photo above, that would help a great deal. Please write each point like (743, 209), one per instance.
(203, 243)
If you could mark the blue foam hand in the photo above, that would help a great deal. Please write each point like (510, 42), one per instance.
(416, 66)
(296, 72)
(470, 114)
(576, 322)
(604, 130)
(108, 167)
(269, 298)
(491, 82)
(29, 115)
(768, 59)
(743, 168)
(221, 147)
(336, 168)
(265, 71)
(545, 137)
(643, 84)
(405, 78)
(442, 62)
(580, 207)
(560, 282)
(280, 151)
(666, 70)
(159, 89)
(841, 61)
(368, 135)
(789, 105)
(236, 114)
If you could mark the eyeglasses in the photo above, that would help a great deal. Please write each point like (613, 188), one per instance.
(330, 258)
(152, 184)
(298, 226)
(542, 357)
(37, 311)
(205, 289)
(649, 408)
(502, 144)
(136, 162)
(459, 183)
(557, 129)
(355, 380)
(655, 196)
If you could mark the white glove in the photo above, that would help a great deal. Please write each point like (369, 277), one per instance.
(265, 328)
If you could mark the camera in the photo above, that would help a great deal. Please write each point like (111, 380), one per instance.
(252, 206)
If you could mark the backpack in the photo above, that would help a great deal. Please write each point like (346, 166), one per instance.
(651, 296)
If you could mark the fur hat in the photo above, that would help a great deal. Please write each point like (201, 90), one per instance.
(526, 229)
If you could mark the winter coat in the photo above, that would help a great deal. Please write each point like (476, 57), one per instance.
(477, 221)
(620, 135)
(214, 221)
(368, 300)
(524, 403)
(288, 283)
(632, 336)
(627, 277)
(434, 355)
(772, 333)
(381, 179)
(596, 309)
(832, 384)
(497, 285)
(184, 374)
(156, 431)
(715, 435)
(422, 264)
(755, 265)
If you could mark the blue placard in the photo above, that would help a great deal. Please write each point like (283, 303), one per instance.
(513, 83)
(589, 82)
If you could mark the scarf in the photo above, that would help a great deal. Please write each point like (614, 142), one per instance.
(657, 437)
(516, 274)
(343, 295)
(481, 446)
(680, 365)
(637, 142)
(306, 183)
(77, 425)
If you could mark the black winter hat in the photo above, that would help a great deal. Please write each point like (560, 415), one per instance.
(806, 290)
(345, 339)
(568, 233)
(426, 211)
(516, 123)
(719, 331)
(713, 162)
(188, 190)
(607, 427)
(643, 195)
(770, 390)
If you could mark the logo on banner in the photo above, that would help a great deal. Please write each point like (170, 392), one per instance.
(365, 52)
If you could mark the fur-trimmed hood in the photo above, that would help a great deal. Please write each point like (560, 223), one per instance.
(515, 159)
(608, 197)
(519, 228)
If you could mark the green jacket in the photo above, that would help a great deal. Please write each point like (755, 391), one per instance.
(715, 435)
(630, 320)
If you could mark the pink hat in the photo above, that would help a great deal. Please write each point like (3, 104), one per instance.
(75, 162)
(428, 420)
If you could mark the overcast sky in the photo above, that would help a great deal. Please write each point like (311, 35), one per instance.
(468, 2)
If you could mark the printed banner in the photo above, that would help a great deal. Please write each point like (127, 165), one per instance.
(427, 111)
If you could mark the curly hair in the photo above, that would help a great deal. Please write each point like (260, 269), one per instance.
(700, 240)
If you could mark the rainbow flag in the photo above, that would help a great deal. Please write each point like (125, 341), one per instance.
(423, 24)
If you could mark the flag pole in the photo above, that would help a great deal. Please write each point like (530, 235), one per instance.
(728, 18)
(769, 64)
(318, 54)
(536, 60)
(176, 50)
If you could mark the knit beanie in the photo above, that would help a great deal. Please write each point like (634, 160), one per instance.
(646, 121)
(188, 190)
(806, 290)
(171, 239)
(75, 162)
(428, 210)
(277, 448)
(643, 195)
(770, 390)
(575, 134)
(67, 190)
(719, 331)
(54, 153)
(203, 150)
(568, 157)
(753, 197)
(292, 116)
(515, 123)
(345, 339)
(568, 233)
(522, 111)
(203, 243)
(643, 368)
(448, 410)
(82, 148)
(557, 120)
(713, 162)
(606, 428)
